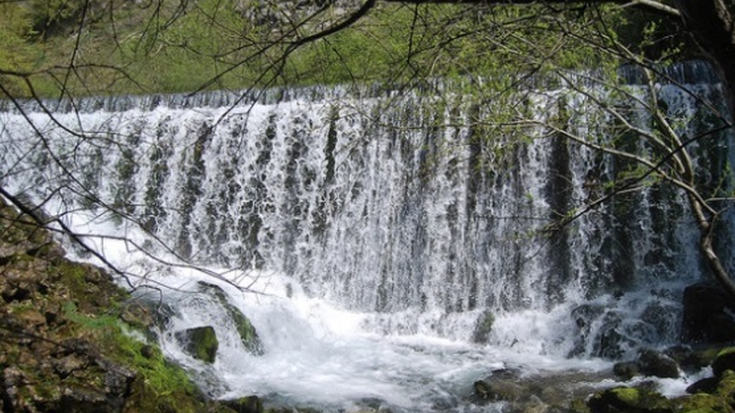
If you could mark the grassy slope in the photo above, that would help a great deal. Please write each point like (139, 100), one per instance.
(66, 335)
(150, 47)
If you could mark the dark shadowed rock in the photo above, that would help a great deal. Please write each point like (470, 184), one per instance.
(251, 404)
(706, 317)
(81, 400)
(626, 370)
(724, 361)
(707, 385)
(656, 364)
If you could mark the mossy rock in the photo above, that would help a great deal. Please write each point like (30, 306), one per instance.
(499, 389)
(248, 335)
(703, 402)
(724, 361)
(199, 342)
(630, 400)
(251, 404)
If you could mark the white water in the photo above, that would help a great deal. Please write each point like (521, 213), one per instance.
(368, 262)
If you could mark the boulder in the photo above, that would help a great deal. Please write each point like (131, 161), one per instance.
(248, 335)
(656, 364)
(725, 360)
(629, 400)
(626, 370)
(501, 385)
(707, 385)
(199, 342)
(499, 390)
(541, 392)
(603, 329)
(706, 315)
(251, 404)
(692, 360)
(483, 327)
(584, 315)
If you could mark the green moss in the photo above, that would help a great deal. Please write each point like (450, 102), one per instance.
(200, 342)
(724, 362)
(703, 402)
(627, 399)
(159, 384)
(88, 321)
(628, 395)
(248, 335)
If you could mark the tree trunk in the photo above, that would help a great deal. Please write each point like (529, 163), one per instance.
(706, 228)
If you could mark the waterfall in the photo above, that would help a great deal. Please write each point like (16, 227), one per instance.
(416, 212)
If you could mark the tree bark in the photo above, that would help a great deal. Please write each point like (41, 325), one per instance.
(707, 249)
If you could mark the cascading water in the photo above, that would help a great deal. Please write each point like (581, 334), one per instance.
(375, 230)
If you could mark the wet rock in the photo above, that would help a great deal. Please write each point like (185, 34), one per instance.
(662, 316)
(713, 395)
(610, 342)
(724, 361)
(607, 337)
(626, 370)
(685, 357)
(483, 327)
(542, 392)
(497, 389)
(707, 385)
(149, 313)
(251, 404)
(584, 315)
(656, 364)
(199, 342)
(248, 335)
(500, 385)
(629, 400)
(706, 315)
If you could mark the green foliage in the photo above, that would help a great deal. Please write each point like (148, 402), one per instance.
(17, 54)
(172, 46)
(48, 15)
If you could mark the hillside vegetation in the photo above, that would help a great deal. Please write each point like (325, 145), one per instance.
(56, 47)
